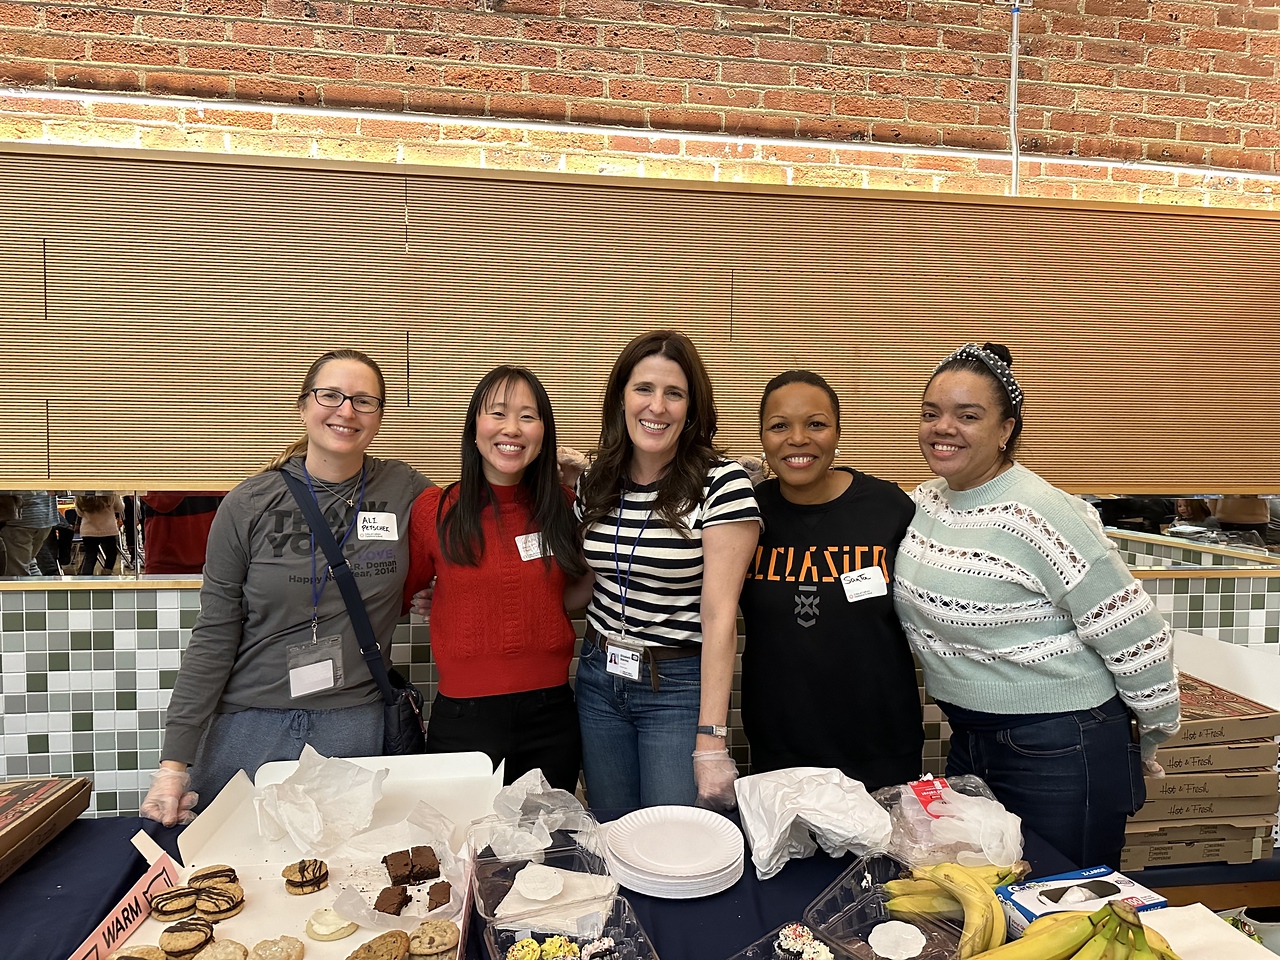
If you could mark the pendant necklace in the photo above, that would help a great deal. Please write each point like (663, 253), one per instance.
(349, 501)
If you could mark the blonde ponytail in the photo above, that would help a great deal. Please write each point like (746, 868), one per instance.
(296, 449)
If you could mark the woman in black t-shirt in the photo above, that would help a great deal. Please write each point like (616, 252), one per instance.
(827, 675)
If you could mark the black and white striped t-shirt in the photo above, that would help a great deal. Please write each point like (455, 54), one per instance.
(664, 587)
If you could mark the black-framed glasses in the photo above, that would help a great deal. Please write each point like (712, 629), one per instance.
(360, 403)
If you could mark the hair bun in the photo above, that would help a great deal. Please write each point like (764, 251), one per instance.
(1001, 351)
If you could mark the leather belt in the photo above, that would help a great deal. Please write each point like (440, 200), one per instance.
(652, 653)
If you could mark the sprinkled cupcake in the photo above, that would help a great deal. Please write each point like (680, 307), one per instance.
(792, 940)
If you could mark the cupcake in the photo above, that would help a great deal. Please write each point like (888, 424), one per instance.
(601, 949)
(792, 940)
(526, 949)
(817, 950)
(559, 948)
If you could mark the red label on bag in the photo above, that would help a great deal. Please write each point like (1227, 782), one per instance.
(927, 791)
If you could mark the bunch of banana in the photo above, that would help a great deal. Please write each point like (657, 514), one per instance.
(956, 892)
(1113, 932)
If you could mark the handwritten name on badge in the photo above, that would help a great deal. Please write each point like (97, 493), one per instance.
(864, 583)
(376, 525)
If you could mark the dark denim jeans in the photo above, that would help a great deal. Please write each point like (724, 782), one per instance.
(1073, 779)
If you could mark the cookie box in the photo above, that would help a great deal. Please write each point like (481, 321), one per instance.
(617, 921)
(846, 913)
(507, 852)
(33, 812)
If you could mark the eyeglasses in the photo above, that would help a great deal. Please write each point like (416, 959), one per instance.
(360, 403)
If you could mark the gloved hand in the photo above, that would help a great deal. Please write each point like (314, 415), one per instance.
(1152, 769)
(170, 799)
(714, 772)
(421, 603)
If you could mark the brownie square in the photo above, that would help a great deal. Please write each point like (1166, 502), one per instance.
(438, 894)
(399, 867)
(425, 865)
(392, 900)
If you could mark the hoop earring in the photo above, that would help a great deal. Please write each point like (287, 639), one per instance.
(837, 452)
(1002, 446)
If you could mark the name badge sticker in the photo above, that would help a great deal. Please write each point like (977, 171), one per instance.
(530, 546)
(376, 525)
(863, 584)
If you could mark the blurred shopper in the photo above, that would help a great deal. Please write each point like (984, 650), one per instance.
(1241, 513)
(502, 546)
(812, 641)
(670, 528)
(101, 516)
(274, 662)
(175, 529)
(24, 535)
(1047, 657)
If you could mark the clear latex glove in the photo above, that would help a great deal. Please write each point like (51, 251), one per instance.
(421, 604)
(1151, 768)
(170, 799)
(714, 772)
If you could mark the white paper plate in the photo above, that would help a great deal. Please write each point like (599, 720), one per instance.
(671, 889)
(676, 842)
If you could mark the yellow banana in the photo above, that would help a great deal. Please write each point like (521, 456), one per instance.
(1119, 948)
(924, 904)
(1061, 942)
(1158, 944)
(984, 924)
(1100, 942)
(1141, 950)
(909, 886)
(990, 874)
(1048, 921)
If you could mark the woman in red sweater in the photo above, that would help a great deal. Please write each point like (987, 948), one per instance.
(502, 546)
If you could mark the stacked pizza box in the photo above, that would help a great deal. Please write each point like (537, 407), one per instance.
(1219, 797)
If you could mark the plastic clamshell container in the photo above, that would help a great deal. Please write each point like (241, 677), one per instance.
(846, 912)
(577, 846)
(619, 922)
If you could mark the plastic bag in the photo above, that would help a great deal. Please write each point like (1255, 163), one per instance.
(952, 819)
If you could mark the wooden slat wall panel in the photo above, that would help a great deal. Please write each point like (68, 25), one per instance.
(1141, 334)
(22, 307)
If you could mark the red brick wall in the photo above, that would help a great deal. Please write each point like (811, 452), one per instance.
(1191, 82)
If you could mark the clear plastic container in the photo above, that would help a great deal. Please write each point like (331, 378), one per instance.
(846, 912)
(618, 921)
(576, 847)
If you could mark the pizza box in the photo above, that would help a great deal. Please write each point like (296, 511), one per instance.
(1178, 808)
(1232, 755)
(1212, 714)
(1142, 855)
(33, 812)
(1180, 831)
(461, 786)
(1215, 783)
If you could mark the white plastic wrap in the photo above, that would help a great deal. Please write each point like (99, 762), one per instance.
(787, 814)
(954, 819)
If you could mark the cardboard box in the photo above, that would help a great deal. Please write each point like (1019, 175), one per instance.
(1215, 783)
(461, 786)
(1177, 808)
(1211, 714)
(1143, 855)
(33, 812)
(1181, 831)
(1023, 902)
(1242, 755)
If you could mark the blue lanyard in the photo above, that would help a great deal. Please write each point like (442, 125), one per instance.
(624, 585)
(317, 584)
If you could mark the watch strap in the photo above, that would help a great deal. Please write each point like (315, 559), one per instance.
(714, 731)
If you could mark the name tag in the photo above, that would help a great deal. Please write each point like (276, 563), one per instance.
(530, 546)
(622, 660)
(311, 678)
(376, 525)
(864, 583)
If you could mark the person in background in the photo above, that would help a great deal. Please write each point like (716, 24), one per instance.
(100, 519)
(175, 529)
(1241, 513)
(502, 546)
(26, 533)
(669, 529)
(273, 662)
(827, 675)
(1047, 657)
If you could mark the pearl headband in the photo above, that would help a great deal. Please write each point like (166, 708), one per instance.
(995, 365)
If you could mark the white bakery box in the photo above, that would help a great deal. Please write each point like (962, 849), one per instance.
(461, 786)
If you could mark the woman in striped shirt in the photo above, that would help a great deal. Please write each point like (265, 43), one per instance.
(669, 528)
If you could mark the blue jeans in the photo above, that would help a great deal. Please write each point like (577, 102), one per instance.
(248, 739)
(637, 745)
(1073, 779)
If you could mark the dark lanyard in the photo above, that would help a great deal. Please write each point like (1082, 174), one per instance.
(624, 585)
(317, 584)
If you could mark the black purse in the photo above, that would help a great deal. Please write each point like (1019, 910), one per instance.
(403, 730)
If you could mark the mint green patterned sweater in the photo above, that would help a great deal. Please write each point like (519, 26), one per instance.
(1015, 601)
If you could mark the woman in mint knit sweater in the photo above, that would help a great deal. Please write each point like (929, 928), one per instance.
(1049, 660)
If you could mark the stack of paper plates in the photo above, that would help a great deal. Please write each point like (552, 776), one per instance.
(675, 852)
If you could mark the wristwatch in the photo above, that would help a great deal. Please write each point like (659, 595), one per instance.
(714, 731)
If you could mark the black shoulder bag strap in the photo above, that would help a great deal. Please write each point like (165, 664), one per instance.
(346, 583)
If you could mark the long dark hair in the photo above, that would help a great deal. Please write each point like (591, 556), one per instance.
(1007, 410)
(462, 503)
(680, 488)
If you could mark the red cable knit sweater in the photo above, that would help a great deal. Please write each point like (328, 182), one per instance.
(499, 627)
